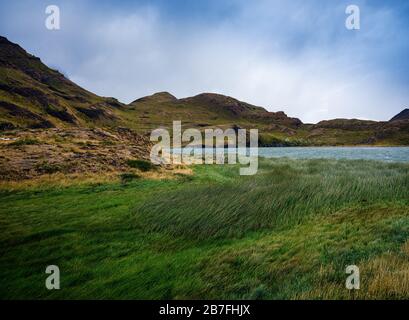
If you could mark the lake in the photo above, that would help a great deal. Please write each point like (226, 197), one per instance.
(389, 154)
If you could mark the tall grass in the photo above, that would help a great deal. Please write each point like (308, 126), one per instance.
(282, 194)
(287, 232)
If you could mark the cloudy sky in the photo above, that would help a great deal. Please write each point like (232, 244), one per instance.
(291, 55)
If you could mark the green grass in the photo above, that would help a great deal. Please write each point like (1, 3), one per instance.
(287, 232)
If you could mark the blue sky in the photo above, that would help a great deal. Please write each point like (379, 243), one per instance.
(292, 55)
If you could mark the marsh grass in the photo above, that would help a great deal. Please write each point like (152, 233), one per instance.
(288, 233)
(282, 194)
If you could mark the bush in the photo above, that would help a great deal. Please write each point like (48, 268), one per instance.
(140, 164)
(48, 168)
(128, 177)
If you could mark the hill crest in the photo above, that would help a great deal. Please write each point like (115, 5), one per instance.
(403, 115)
(33, 95)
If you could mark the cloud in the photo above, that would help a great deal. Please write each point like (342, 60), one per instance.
(290, 56)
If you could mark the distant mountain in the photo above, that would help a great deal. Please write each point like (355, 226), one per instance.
(347, 124)
(403, 115)
(33, 95)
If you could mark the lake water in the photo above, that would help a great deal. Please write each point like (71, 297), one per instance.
(389, 154)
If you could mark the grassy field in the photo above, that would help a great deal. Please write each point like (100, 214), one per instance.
(287, 233)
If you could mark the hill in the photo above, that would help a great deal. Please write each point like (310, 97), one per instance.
(403, 115)
(48, 124)
(205, 110)
(34, 96)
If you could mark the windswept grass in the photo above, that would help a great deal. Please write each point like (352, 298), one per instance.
(282, 194)
(288, 233)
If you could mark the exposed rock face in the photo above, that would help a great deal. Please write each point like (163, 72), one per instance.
(97, 112)
(33, 120)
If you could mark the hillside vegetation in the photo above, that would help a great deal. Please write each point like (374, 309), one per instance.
(35, 96)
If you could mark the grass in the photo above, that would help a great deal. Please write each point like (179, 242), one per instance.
(286, 233)
(24, 142)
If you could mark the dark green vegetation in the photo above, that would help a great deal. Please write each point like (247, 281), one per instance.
(142, 165)
(128, 177)
(35, 96)
(24, 142)
(287, 232)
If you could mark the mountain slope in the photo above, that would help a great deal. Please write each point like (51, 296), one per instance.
(35, 96)
(235, 108)
(403, 115)
(158, 97)
(206, 110)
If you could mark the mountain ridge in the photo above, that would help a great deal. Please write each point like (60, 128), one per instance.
(33, 95)
(44, 97)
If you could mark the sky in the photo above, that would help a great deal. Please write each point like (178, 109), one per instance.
(291, 55)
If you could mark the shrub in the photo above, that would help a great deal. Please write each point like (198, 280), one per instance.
(47, 167)
(128, 177)
(140, 164)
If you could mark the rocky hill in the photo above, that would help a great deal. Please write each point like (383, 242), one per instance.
(34, 96)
